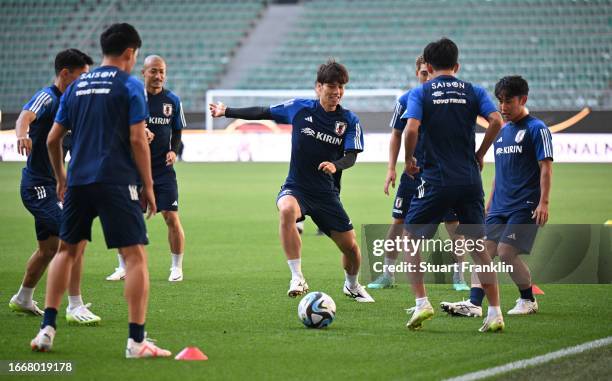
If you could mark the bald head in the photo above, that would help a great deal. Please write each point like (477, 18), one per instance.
(153, 60)
(154, 73)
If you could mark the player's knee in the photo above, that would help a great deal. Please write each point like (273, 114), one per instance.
(288, 215)
(172, 220)
(506, 255)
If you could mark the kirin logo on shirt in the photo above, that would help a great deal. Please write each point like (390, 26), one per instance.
(340, 128)
(167, 109)
(519, 136)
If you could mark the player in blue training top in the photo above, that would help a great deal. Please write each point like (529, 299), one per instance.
(38, 188)
(446, 109)
(521, 190)
(106, 110)
(325, 141)
(166, 122)
(407, 189)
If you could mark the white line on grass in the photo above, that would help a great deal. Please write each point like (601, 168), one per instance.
(521, 364)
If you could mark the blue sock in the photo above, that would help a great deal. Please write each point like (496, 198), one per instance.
(137, 332)
(476, 296)
(527, 294)
(49, 318)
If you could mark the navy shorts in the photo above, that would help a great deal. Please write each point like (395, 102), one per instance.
(515, 228)
(431, 204)
(42, 203)
(118, 208)
(403, 198)
(325, 210)
(166, 196)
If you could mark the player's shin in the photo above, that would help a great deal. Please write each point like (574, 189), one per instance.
(136, 283)
(59, 274)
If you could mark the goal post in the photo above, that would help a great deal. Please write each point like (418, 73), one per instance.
(357, 100)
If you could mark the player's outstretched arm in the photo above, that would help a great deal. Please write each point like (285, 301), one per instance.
(495, 124)
(56, 157)
(22, 126)
(345, 162)
(410, 142)
(142, 157)
(395, 144)
(541, 212)
(249, 113)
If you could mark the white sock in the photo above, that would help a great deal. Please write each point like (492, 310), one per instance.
(494, 312)
(351, 280)
(421, 302)
(177, 260)
(74, 301)
(295, 265)
(25, 294)
(121, 261)
(389, 262)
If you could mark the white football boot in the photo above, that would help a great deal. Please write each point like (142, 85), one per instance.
(297, 287)
(463, 308)
(30, 308)
(81, 315)
(176, 274)
(145, 349)
(43, 342)
(419, 315)
(524, 307)
(358, 293)
(119, 274)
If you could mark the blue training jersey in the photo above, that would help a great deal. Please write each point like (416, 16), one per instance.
(518, 149)
(447, 108)
(398, 122)
(38, 170)
(99, 109)
(165, 116)
(317, 136)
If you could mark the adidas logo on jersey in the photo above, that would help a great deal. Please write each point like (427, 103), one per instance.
(499, 140)
(308, 119)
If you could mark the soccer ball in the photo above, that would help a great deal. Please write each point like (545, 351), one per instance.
(317, 310)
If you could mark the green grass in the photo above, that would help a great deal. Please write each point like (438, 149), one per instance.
(233, 305)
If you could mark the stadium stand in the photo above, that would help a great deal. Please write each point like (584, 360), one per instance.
(564, 48)
(196, 38)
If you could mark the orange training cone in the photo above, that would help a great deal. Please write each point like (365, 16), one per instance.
(536, 290)
(191, 354)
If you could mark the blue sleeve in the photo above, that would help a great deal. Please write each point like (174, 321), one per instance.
(414, 107)
(485, 104)
(62, 113)
(179, 117)
(139, 110)
(353, 141)
(284, 112)
(397, 122)
(542, 141)
(40, 103)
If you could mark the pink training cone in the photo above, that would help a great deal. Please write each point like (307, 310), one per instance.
(191, 354)
(536, 290)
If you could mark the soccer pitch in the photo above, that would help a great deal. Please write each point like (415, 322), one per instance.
(233, 304)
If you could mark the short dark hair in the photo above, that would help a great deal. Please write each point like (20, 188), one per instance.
(71, 59)
(332, 72)
(442, 54)
(119, 37)
(511, 86)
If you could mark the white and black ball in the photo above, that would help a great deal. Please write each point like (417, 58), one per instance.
(317, 310)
